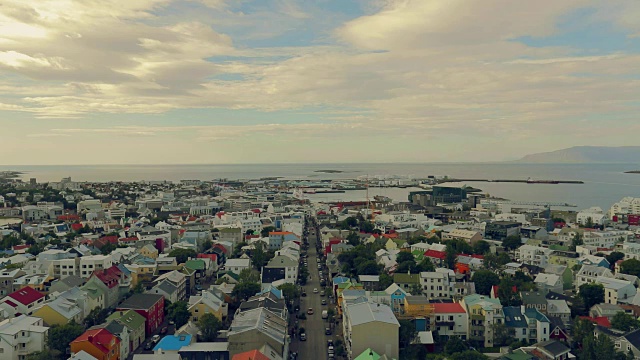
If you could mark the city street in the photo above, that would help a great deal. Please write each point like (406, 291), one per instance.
(316, 345)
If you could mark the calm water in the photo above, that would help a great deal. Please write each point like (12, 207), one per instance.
(604, 183)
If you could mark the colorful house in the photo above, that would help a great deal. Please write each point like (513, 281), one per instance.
(150, 306)
(99, 343)
(22, 301)
(59, 312)
(136, 325)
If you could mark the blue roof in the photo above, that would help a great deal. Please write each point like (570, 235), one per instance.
(340, 280)
(173, 343)
(124, 269)
(274, 290)
(535, 314)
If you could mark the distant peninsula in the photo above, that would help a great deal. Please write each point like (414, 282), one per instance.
(330, 171)
(586, 155)
(632, 172)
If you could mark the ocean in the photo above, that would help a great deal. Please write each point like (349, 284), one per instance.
(604, 183)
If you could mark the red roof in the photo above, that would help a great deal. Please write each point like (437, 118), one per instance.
(68, 217)
(391, 236)
(213, 257)
(250, 355)
(256, 211)
(448, 308)
(435, 254)
(26, 295)
(109, 277)
(97, 337)
(20, 247)
(600, 320)
(220, 247)
(76, 226)
(128, 239)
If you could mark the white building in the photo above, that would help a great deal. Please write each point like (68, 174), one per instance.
(605, 239)
(367, 325)
(237, 265)
(627, 206)
(533, 255)
(595, 213)
(438, 284)
(616, 290)
(88, 264)
(451, 319)
(21, 336)
(590, 274)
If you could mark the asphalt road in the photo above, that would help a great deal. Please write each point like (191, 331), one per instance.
(316, 345)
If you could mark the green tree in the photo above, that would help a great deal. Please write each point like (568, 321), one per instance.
(623, 321)
(179, 313)
(60, 336)
(501, 334)
(259, 257)
(484, 281)
(589, 223)
(244, 291)
(290, 292)
(426, 265)
(369, 267)
(631, 267)
(468, 355)
(454, 345)
(367, 227)
(248, 276)
(303, 275)
(404, 256)
(408, 332)
(385, 281)
(353, 239)
(47, 354)
(451, 257)
(208, 244)
(575, 242)
(507, 294)
(209, 326)
(96, 317)
(512, 242)
(614, 257)
(237, 250)
(182, 255)
(481, 247)
(107, 248)
(407, 267)
(591, 294)
(266, 230)
(597, 348)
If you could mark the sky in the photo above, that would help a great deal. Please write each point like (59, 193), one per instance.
(314, 81)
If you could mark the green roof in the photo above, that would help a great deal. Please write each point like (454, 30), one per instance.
(368, 354)
(195, 264)
(230, 230)
(406, 278)
(518, 355)
(418, 255)
(129, 318)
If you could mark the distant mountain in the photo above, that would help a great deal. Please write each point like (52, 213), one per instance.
(586, 154)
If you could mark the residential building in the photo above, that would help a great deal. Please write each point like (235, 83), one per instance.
(99, 343)
(590, 273)
(211, 302)
(528, 325)
(549, 282)
(136, 325)
(593, 215)
(89, 264)
(286, 265)
(471, 237)
(178, 280)
(21, 302)
(616, 290)
(255, 328)
(500, 230)
(166, 289)
(59, 311)
(368, 325)
(629, 342)
(7, 277)
(483, 313)
(533, 255)
(451, 319)
(605, 239)
(559, 309)
(438, 284)
(150, 306)
(22, 335)
(407, 281)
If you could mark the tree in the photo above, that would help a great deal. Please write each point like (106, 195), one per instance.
(591, 294)
(266, 230)
(454, 345)
(631, 267)
(624, 322)
(208, 244)
(408, 332)
(468, 355)
(597, 348)
(353, 239)
(500, 334)
(244, 291)
(259, 257)
(451, 257)
(369, 267)
(60, 336)
(508, 296)
(182, 255)
(367, 227)
(484, 281)
(416, 289)
(512, 242)
(426, 265)
(96, 317)
(481, 247)
(404, 256)
(407, 267)
(107, 248)
(385, 281)
(290, 292)
(248, 275)
(614, 257)
(575, 242)
(179, 313)
(209, 326)
(47, 354)
(303, 275)
(589, 223)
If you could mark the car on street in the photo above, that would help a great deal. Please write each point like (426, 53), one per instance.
(155, 338)
(148, 346)
(330, 342)
(303, 294)
(322, 294)
(303, 337)
(310, 311)
(315, 290)
(324, 302)
(163, 330)
(327, 331)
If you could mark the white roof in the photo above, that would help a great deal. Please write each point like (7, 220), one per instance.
(615, 284)
(21, 323)
(82, 355)
(365, 312)
(238, 262)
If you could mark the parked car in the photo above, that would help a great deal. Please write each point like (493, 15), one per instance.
(330, 342)
(315, 290)
(327, 331)
(310, 311)
(155, 338)
(303, 337)
(163, 330)
(148, 346)
(324, 302)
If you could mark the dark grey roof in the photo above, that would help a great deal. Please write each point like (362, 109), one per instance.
(551, 295)
(140, 301)
(268, 301)
(270, 275)
(167, 287)
(554, 347)
(533, 297)
(557, 322)
(513, 317)
(72, 281)
(634, 338)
